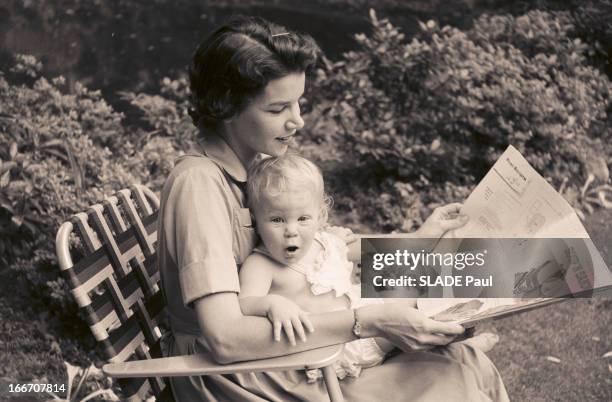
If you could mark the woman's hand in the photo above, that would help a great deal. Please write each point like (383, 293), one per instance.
(441, 220)
(406, 327)
(287, 316)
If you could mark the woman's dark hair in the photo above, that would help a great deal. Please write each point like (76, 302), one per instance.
(237, 61)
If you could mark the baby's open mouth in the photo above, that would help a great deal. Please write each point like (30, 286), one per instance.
(292, 249)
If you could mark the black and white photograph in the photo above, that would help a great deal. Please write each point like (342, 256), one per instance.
(283, 200)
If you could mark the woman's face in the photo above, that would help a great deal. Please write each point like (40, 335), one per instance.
(270, 120)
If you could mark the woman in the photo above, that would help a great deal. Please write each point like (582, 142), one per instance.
(246, 81)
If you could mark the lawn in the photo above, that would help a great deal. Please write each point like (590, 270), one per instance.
(576, 332)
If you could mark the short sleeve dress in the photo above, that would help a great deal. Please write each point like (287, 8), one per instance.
(205, 233)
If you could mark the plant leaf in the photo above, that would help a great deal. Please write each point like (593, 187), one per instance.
(6, 166)
(17, 220)
(4, 180)
(109, 395)
(56, 153)
(13, 150)
(51, 143)
(85, 374)
(72, 371)
(77, 172)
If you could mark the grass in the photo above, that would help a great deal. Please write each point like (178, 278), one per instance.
(577, 332)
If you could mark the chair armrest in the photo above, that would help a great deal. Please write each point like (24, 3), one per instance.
(201, 364)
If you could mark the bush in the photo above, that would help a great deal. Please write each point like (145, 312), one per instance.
(593, 26)
(59, 153)
(437, 111)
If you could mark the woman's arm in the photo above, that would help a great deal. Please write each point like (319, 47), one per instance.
(230, 336)
(441, 220)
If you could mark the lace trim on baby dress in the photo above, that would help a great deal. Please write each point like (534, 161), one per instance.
(330, 270)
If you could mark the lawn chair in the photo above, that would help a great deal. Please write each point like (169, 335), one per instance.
(115, 281)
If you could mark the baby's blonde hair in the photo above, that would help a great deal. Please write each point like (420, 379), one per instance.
(288, 172)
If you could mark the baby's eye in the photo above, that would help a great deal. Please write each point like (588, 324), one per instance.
(276, 220)
(303, 218)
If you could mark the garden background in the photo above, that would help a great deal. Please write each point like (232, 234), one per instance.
(411, 106)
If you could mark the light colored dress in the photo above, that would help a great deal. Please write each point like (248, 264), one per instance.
(331, 271)
(205, 233)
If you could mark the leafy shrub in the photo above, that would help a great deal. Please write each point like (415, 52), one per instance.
(171, 131)
(59, 153)
(593, 25)
(437, 111)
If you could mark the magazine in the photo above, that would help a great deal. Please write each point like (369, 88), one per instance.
(514, 203)
(469, 312)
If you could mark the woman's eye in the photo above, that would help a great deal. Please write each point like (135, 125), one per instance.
(278, 111)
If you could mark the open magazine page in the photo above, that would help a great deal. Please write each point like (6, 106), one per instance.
(511, 205)
(513, 200)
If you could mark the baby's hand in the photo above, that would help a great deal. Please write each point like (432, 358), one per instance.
(288, 316)
(441, 220)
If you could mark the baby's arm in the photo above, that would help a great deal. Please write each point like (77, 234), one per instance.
(255, 280)
(256, 277)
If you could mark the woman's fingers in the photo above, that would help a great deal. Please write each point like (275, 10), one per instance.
(449, 209)
(454, 223)
(444, 328)
(435, 339)
(443, 219)
(450, 216)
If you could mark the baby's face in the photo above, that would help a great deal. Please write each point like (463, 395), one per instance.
(287, 223)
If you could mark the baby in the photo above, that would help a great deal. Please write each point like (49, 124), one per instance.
(300, 268)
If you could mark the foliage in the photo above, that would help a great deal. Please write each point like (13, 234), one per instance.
(59, 153)
(171, 130)
(437, 111)
(593, 22)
